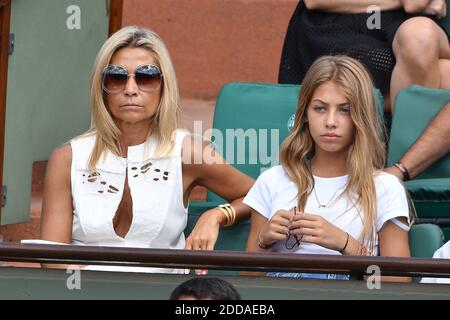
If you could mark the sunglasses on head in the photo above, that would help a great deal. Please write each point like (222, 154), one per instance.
(147, 77)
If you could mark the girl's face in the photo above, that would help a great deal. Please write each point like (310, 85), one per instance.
(133, 105)
(329, 120)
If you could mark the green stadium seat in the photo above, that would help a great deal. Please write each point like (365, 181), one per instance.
(415, 107)
(424, 240)
(254, 107)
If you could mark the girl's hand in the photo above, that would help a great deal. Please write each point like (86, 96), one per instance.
(277, 228)
(315, 229)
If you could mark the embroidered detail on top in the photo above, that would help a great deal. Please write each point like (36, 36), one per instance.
(146, 169)
(96, 178)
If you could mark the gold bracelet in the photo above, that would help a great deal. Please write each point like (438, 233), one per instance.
(231, 217)
(226, 208)
(227, 215)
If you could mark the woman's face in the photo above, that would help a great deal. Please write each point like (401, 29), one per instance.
(328, 115)
(132, 105)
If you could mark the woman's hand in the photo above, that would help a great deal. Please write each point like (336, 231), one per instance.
(437, 8)
(315, 229)
(206, 231)
(277, 228)
(415, 6)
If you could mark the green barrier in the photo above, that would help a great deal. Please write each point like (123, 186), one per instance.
(42, 284)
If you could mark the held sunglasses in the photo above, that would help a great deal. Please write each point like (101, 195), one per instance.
(115, 77)
(292, 241)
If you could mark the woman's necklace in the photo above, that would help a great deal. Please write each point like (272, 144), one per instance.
(325, 205)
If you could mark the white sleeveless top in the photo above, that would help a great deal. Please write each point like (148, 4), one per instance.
(156, 187)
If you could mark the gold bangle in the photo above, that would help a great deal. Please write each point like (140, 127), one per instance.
(225, 208)
(231, 217)
(227, 215)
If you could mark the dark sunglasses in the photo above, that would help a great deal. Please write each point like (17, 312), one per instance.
(292, 241)
(147, 77)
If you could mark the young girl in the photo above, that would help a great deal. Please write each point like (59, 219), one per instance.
(330, 195)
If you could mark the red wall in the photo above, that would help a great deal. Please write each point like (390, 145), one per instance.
(213, 42)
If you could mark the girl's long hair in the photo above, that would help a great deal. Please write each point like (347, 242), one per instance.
(366, 155)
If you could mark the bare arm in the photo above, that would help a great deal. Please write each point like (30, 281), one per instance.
(257, 224)
(226, 181)
(215, 174)
(431, 146)
(205, 167)
(56, 221)
(394, 243)
(353, 6)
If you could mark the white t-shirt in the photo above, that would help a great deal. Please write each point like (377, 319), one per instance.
(274, 191)
(442, 253)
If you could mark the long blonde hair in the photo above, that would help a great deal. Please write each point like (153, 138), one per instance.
(167, 116)
(367, 153)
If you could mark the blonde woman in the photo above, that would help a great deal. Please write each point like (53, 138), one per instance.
(329, 196)
(126, 182)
